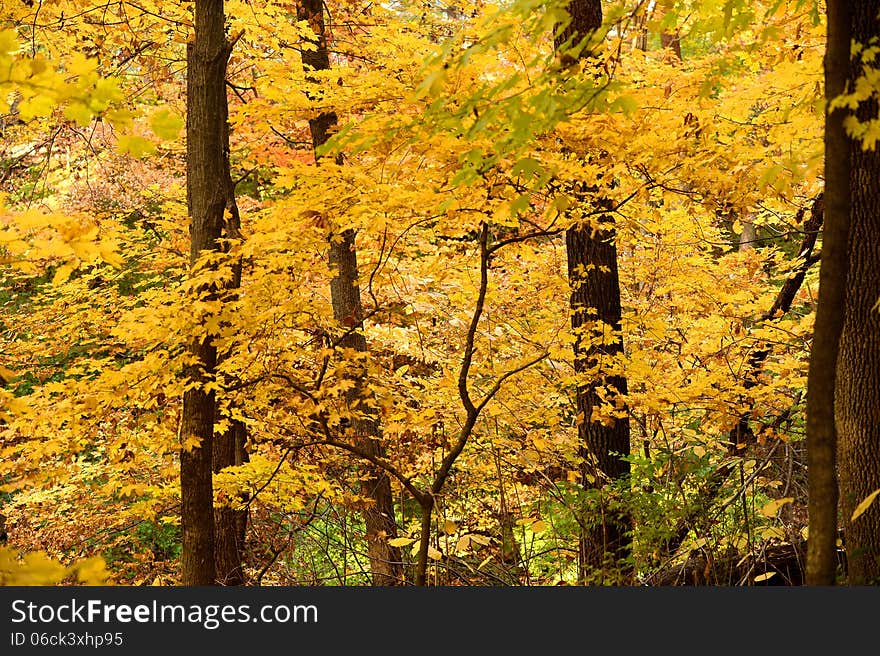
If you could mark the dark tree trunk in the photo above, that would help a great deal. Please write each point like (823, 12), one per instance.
(595, 321)
(230, 525)
(586, 18)
(206, 197)
(858, 370)
(603, 444)
(821, 431)
(385, 561)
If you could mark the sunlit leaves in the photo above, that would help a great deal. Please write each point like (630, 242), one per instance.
(37, 569)
(443, 126)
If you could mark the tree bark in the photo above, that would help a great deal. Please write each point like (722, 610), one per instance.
(821, 383)
(230, 525)
(595, 318)
(857, 401)
(206, 198)
(386, 565)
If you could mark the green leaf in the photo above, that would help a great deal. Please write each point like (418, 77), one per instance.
(520, 204)
(625, 104)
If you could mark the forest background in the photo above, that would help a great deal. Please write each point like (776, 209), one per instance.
(436, 293)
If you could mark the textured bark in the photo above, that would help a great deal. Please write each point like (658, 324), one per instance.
(603, 446)
(596, 312)
(230, 525)
(206, 199)
(386, 565)
(821, 380)
(858, 372)
(586, 18)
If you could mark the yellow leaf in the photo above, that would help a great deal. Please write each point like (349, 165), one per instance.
(62, 273)
(92, 571)
(78, 112)
(135, 146)
(8, 42)
(770, 509)
(450, 527)
(433, 554)
(111, 257)
(864, 505)
(400, 542)
(539, 526)
(165, 124)
(764, 576)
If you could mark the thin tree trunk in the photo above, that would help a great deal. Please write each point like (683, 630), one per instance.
(206, 199)
(596, 313)
(857, 401)
(748, 235)
(671, 40)
(385, 562)
(821, 383)
(510, 554)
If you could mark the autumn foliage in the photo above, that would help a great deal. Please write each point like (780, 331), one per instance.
(464, 148)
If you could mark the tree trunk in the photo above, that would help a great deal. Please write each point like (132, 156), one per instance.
(748, 235)
(385, 562)
(857, 402)
(821, 432)
(671, 40)
(603, 444)
(595, 318)
(206, 198)
(230, 525)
